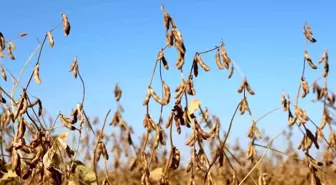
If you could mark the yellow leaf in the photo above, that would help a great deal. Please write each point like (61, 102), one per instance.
(156, 174)
(62, 139)
(84, 173)
(193, 106)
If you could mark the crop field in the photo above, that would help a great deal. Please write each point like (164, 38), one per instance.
(37, 151)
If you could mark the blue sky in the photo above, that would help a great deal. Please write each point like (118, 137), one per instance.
(119, 40)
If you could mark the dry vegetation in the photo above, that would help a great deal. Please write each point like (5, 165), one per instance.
(32, 154)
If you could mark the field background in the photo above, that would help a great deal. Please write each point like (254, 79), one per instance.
(117, 42)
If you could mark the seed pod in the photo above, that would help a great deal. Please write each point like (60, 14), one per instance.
(310, 31)
(284, 102)
(169, 39)
(248, 88)
(201, 62)
(16, 162)
(165, 63)
(67, 122)
(23, 34)
(51, 39)
(2, 42)
(175, 159)
(308, 36)
(117, 92)
(195, 68)
(74, 115)
(191, 140)
(242, 86)
(218, 60)
(39, 153)
(225, 57)
(188, 87)
(180, 91)
(311, 137)
(74, 67)
(254, 131)
(309, 60)
(40, 107)
(170, 119)
(163, 59)
(291, 119)
(243, 107)
(332, 99)
(3, 73)
(178, 125)
(161, 137)
(324, 57)
(11, 45)
(203, 134)
(103, 150)
(301, 115)
(148, 121)
(180, 61)
(24, 108)
(21, 129)
(179, 44)
(305, 87)
(326, 69)
(307, 143)
(37, 73)
(231, 71)
(66, 24)
(189, 166)
(166, 95)
(186, 117)
(157, 140)
(251, 152)
(166, 20)
(10, 53)
(148, 96)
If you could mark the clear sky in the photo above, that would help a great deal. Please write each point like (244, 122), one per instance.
(119, 40)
